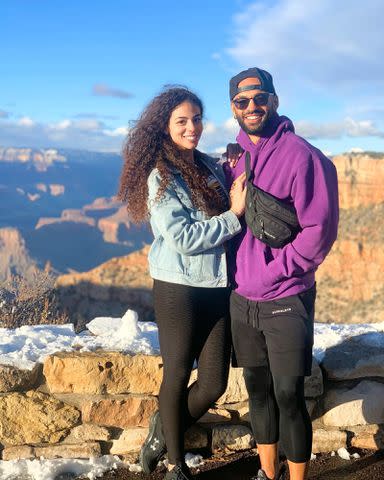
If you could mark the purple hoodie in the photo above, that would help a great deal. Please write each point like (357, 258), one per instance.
(294, 171)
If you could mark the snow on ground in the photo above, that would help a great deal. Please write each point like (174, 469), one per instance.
(52, 469)
(329, 335)
(42, 469)
(24, 346)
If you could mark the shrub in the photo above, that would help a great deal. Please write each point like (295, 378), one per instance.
(30, 301)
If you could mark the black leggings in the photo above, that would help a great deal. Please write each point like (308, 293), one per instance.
(193, 325)
(278, 411)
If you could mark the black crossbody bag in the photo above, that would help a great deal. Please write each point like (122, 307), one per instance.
(269, 219)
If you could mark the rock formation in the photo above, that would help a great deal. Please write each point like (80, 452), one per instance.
(84, 403)
(14, 257)
(40, 159)
(350, 281)
(109, 289)
(361, 178)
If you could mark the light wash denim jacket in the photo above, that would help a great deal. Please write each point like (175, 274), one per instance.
(188, 247)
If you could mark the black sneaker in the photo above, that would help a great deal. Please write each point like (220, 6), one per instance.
(179, 472)
(261, 475)
(154, 446)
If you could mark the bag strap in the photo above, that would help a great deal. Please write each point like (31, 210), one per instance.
(248, 172)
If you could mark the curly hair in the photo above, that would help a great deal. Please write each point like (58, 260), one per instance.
(149, 146)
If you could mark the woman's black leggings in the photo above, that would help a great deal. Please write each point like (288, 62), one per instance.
(278, 412)
(193, 325)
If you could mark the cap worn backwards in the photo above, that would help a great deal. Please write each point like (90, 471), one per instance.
(265, 78)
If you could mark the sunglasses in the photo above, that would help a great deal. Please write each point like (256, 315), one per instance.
(260, 100)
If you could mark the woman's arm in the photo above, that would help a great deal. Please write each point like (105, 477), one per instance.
(186, 236)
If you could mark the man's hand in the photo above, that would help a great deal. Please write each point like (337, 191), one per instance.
(233, 153)
(237, 195)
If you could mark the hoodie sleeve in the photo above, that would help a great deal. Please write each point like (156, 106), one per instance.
(179, 230)
(315, 196)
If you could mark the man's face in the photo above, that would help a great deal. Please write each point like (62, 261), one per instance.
(253, 118)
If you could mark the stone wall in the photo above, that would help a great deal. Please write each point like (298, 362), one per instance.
(79, 405)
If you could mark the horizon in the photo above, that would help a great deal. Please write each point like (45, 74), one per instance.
(75, 76)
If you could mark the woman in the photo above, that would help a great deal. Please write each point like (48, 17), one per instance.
(183, 193)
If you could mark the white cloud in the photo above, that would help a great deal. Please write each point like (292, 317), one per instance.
(220, 149)
(63, 125)
(95, 135)
(82, 134)
(209, 128)
(347, 127)
(26, 122)
(214, 136)
(362, 128)
(117, 132)
(88, 125)
(103, 90)
(316, 43)
(4, 114)
(95, 116)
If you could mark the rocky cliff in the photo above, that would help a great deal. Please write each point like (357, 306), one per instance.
(361, 179)
(350, 282)
(109, 289)
(14, 257)
(107, 215)
(41, 160)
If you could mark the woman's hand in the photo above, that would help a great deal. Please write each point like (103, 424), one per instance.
(237, 195)
(233, 153)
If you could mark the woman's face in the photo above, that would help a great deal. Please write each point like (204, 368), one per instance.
(185, 126)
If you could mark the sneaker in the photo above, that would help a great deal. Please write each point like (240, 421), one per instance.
(262, 476)
(179, 472)
(154, 446)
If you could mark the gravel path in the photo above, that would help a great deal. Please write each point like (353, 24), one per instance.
(242, 466)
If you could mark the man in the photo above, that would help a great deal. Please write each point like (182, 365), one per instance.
(272, 305)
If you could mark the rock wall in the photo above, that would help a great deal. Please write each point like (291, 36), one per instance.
(109, 289)
(14, 256)
(360, 178)
(350, 281)
(79, 405)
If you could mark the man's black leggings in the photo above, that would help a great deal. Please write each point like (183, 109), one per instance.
(193, 325)
(278, 412)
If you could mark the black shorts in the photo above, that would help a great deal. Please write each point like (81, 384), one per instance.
(275, 333)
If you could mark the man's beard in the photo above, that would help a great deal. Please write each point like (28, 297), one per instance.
(257, 128)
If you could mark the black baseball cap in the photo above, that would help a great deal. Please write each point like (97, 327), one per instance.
(266, 81)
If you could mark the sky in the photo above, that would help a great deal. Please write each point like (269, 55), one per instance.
(77, 74)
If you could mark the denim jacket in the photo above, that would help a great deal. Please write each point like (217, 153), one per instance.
(188, 247)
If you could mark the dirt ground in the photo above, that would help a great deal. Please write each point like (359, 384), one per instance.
(370, 466)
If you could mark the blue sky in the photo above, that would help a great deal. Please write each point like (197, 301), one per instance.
(73, 74)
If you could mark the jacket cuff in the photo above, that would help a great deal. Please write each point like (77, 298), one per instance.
(232, 221)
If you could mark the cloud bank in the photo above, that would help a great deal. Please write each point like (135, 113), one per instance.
(319, 43)
(93, 134)
(87, 134)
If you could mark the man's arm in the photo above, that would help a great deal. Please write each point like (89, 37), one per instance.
(315, 195)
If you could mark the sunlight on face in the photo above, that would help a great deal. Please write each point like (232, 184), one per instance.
(185, 126)
(253, 118)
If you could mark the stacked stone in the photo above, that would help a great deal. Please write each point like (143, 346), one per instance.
(85, 404)
(353, 403)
